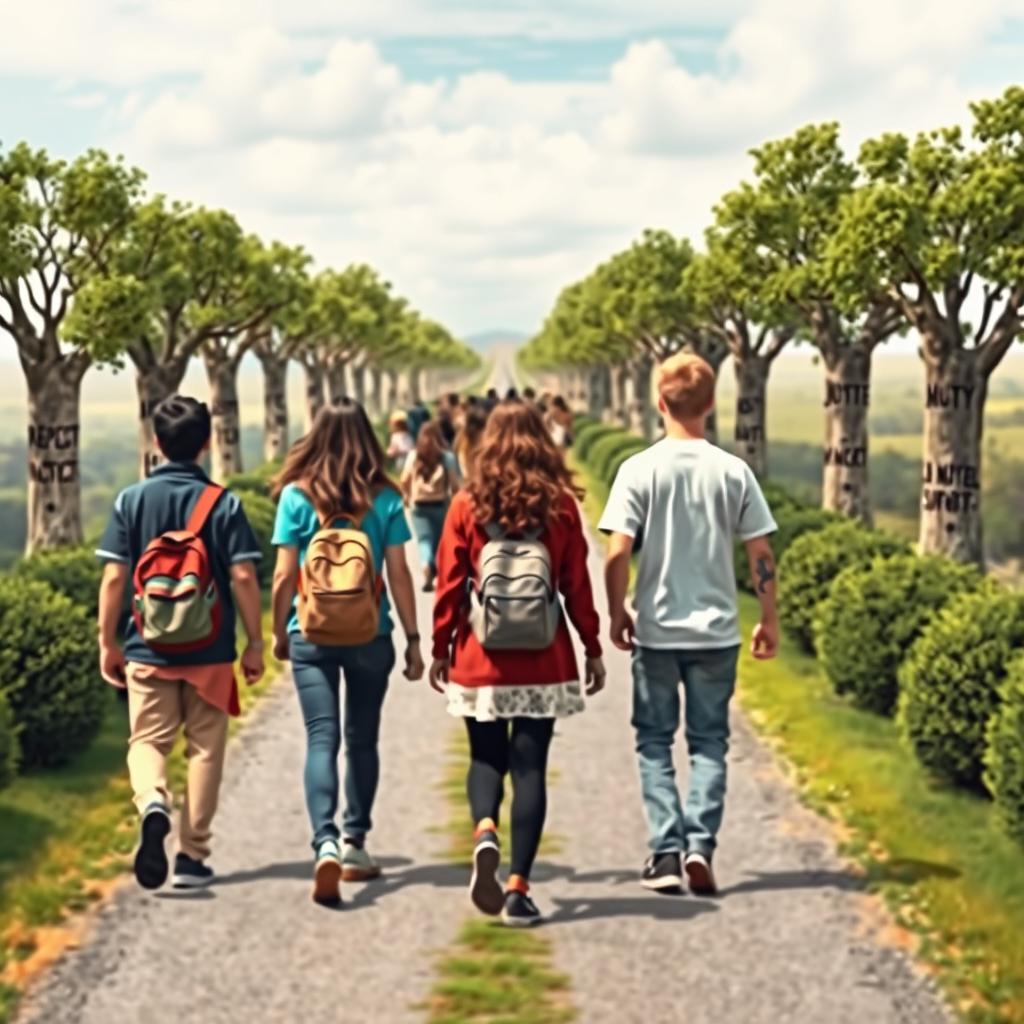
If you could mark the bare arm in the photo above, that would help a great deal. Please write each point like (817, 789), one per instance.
(403, 595)
(762, 570)
(112, 584)
(616, 581)
(282, 597)
(246, 586)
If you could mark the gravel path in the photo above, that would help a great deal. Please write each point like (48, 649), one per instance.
(255, 949)
(791, 939)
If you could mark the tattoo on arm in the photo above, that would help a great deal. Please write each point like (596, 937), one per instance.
(765, 574)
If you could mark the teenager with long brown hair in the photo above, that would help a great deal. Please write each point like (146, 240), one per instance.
(429, 479)
(468, 440)
(337, 475)
(510, 699)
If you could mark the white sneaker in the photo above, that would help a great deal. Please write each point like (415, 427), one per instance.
(699, 874)
(357, 865)
(327, 874)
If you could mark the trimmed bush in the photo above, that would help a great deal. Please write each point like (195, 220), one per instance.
(9, 747)
(1004, 753)
(588, 437)
(261, 513)
(610, 451)
(73, 572)
(794, 520)
(813, 561)
(257, 479)
(48, 671)
(949, 683)
(873, 615)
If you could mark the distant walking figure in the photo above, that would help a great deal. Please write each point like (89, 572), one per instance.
(429, 479)
(687, 499)
(504, 656)
(341, 523)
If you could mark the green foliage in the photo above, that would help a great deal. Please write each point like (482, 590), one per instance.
(261, 512)
(1004, 753)
(813, 561)
(74, 572)
(793, 520)
(48, 671)
(873, 615)
(257, 479)
(609, 452)
(9, 747)
(949, 683)
(587, 436)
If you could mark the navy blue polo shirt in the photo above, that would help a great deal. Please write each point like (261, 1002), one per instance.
(164, 502)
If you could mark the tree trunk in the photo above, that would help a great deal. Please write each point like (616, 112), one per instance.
(391, 391)
(316, 384)
(373, 391)
(847, 398)
(617, 410)
(416, 386)
(337, 388)
(751, 387)
(54, 428)
(275, 407)
(641, 410)
(955, 391)
(226, 443)
(153, 385)
(714, 355)
(358, 376)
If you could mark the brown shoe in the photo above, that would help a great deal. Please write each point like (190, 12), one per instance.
(327, 875)
(699, 875)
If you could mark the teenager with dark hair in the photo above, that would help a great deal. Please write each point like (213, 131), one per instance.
(510, 698)
(176, 659)
(337, 476)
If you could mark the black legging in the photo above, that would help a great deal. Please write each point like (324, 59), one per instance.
(516, 747)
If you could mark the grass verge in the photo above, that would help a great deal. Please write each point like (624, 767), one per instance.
(492, 975)
(934, 853)
(66, 835)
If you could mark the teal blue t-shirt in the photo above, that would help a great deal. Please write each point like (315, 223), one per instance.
(297, 521)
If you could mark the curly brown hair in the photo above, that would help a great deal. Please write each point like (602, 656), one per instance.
(519, 477)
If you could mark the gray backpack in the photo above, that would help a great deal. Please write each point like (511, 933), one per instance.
(516, 605)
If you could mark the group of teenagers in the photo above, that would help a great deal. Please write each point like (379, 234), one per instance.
(503, 545)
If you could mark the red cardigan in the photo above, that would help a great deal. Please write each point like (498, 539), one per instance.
(457, 558)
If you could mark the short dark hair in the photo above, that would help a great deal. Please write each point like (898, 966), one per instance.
(529, 394)
(182, 427)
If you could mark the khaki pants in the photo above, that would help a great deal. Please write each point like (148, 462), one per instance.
(158, 709)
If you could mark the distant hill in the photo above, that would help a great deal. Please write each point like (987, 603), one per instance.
(484, 341)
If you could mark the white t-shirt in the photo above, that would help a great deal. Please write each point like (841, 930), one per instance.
(688, 500)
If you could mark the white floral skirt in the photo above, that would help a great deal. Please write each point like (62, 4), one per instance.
(491, 703)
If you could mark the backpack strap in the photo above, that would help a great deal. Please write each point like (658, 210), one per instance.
(357, 522)
(495, 532)
(203, 507)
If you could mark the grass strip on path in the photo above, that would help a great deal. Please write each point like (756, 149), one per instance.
(934, 853)
(493, 974)
(66, 836)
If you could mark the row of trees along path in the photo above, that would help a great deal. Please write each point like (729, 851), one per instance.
(915, 235)
(94, 272)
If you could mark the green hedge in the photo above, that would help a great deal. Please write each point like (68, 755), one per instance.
(258, 479)
(9, 746)
(793, 520)
(73, 572)
(813, 561)
(872, 616)
(950, 681)
(589, 435)
(1004, 753)
(49, 671)
(609, 452)
(261, 512)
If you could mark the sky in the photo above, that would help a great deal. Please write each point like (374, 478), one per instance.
(481, 155)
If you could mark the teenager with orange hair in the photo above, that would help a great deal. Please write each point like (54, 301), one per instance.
(519, 487)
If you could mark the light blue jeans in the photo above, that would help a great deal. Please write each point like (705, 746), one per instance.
(428, 522)
(708, 680)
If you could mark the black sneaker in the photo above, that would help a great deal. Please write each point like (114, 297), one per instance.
(484, 888)
(151, 858)
(520, 911)
(699, 874)
(190, 873)
(663, 873)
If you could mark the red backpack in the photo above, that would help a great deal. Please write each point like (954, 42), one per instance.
(176, 606)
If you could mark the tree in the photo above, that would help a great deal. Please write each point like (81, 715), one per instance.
(731, 309)
(778, 229)
(58, 222)
(937, 223)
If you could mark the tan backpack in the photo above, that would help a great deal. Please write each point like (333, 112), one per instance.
(435, 489)
(339, 587)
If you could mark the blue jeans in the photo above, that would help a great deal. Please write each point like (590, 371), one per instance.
(428, 522)
(708, 680)
(317, 672)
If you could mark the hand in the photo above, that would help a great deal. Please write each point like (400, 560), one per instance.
(595, 676)
(282, 649)
(252, 663)
(439, 674)
(764, 643)
(414, 667)
(622, 630)
(112, 667)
